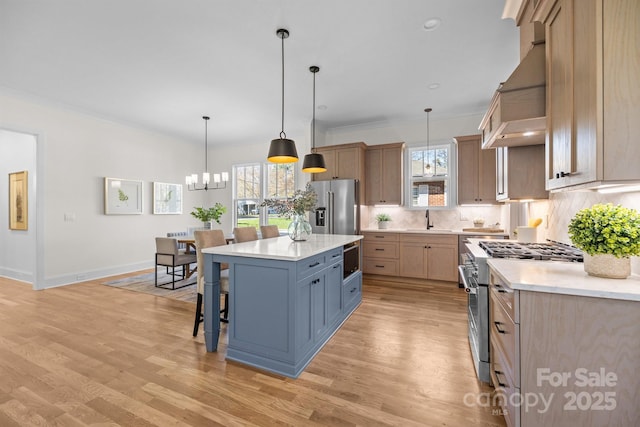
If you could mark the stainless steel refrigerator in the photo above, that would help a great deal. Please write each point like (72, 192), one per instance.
(337, 210)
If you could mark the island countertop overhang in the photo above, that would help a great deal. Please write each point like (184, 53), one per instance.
(283, 248)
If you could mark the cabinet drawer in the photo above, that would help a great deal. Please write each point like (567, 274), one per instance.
(351, 291)
(311, 265)
(507, 297)
(381, 266)
(380, 237)
(334, 256)
(505, 335)
(505, 385)
(381, 250)
(446, 239)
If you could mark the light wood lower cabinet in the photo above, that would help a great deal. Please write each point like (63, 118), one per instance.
(429, 256)
(380, 253)
(564, 360)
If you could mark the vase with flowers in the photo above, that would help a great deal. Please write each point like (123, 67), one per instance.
(608, 235)
(296, 208)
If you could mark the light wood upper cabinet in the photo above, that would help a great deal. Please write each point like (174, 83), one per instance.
(593, 95)
(476, 171)
(520, 173)
(383, 174)
(345, 161)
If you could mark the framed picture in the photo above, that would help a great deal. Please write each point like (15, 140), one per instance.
(167, 198)
(18, 201)
(122, 196)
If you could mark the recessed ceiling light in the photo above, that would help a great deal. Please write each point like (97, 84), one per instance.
(322, 107)
(432, 23)
(434, 86)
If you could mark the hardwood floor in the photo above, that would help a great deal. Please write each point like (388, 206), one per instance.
(88, 354)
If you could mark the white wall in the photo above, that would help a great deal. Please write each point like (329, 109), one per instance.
(17, 252)
(78, 151)
(410, 132)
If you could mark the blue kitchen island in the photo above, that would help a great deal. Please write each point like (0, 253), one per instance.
(286, 298)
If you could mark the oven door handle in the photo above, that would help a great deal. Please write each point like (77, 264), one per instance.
(463, 274)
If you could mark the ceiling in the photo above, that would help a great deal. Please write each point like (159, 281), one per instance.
(162, 65)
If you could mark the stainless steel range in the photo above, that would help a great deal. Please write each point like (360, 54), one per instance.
(474, 272)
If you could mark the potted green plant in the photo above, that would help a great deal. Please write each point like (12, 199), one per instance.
(608, 235)
(383, 220)
(209, 215)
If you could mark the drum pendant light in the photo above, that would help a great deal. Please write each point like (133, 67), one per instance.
(314, 162)
(282, 150)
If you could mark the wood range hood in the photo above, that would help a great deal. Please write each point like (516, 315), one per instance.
(516, 115)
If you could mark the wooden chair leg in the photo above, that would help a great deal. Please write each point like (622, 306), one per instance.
(196, 324)
(225, 310)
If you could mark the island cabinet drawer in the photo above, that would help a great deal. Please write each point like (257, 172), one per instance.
(351, 292)
(334, 256)
(379, 237)
(505, 336)
(381, 250)
(386, 267)
(311, 265)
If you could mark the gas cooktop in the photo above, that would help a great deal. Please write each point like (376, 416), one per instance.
(550, 251)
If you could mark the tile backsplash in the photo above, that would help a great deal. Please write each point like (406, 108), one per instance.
(555, 212)
(561, 207)
(450, 219)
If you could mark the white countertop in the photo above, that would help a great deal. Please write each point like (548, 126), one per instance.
(283, 248)
(559, 277)
(434, 231)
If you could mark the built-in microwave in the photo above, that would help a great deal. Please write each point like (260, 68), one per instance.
(351, 259)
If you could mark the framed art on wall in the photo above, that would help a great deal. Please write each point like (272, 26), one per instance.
(167, 198)
(122, 196)
(18, 201)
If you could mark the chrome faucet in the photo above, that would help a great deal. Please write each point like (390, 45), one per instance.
(429, 224)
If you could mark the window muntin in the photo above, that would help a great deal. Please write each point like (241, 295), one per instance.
(248, 194)
(280, 185)
(258, 181)
(430, 176)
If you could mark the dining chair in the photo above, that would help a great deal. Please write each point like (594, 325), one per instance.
(170, 256)
(178, 234)
(245, 234)
(207, 239)
(269, 231)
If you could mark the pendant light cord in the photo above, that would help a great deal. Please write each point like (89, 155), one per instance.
(313, 122)
(206, 151)
(282, 134)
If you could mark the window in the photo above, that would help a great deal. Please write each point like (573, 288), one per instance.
(280, 185)
(255, 182)
(430, 176)
(248, 194)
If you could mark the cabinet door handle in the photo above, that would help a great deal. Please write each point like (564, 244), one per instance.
(500, 289)
(336, 255)
(380, 249)
(314, 264)
(336, 266)
(313, 282)
(379, 237)
(353, 290)
(379, 266)
(500, 330)
(498, 373)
